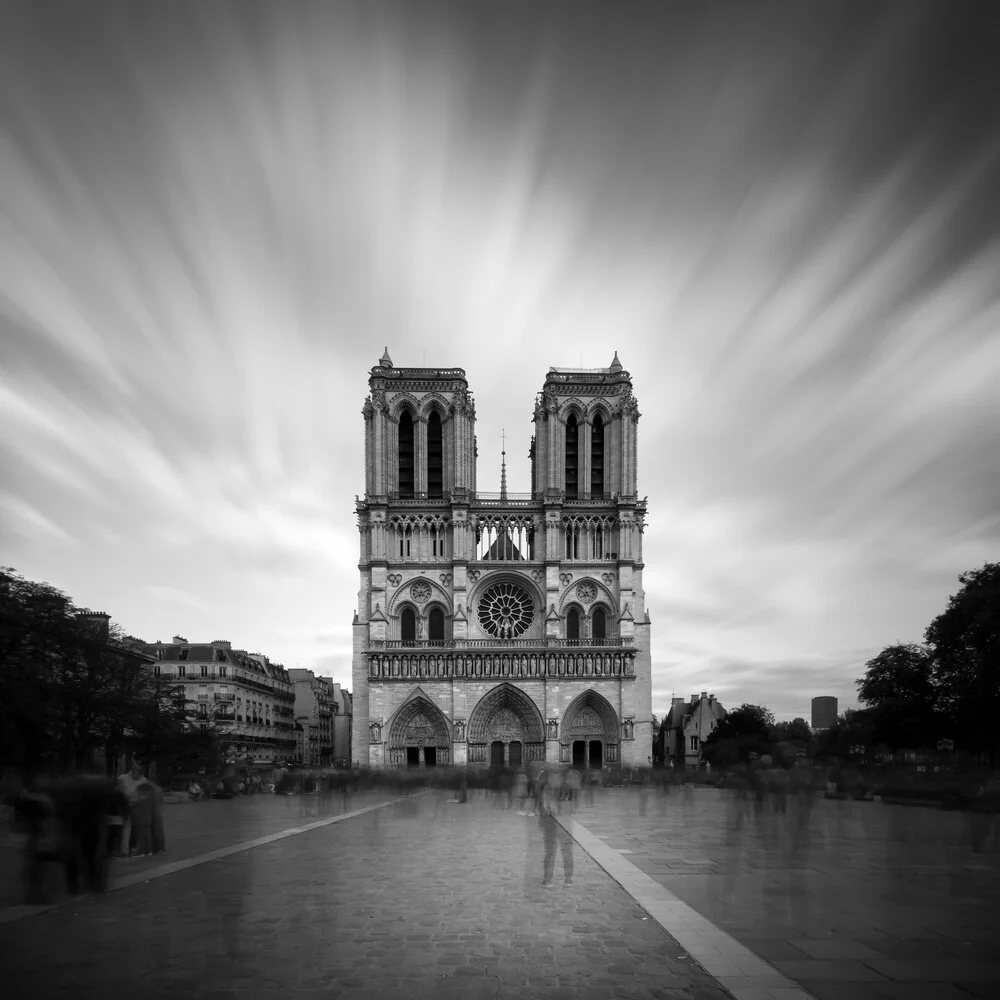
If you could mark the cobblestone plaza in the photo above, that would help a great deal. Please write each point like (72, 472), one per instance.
(673, 895)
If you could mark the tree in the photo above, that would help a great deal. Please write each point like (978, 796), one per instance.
(657, 750)
(797, 731)
(742, 731)
(71, 682)
(965, 639)
(899, 691)
(852, 729)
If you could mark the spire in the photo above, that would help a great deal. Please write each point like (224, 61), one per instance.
(503, 465)
(386, 362)
(616, 365)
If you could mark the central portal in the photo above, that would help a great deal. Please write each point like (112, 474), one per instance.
(505, 730)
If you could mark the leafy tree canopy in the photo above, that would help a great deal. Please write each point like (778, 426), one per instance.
(899, 672)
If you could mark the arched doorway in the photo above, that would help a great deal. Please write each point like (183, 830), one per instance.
(590, 732)
(506, 729)
(418, 735)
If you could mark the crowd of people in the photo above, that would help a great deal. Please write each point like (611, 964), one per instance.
(80, 821)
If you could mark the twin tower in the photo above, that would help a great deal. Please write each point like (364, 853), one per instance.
(499, 629)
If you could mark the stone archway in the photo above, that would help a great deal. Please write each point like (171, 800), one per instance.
(418, 735)
(505, 726)
(590, 732)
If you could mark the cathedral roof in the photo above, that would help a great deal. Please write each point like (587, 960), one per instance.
(503, 548)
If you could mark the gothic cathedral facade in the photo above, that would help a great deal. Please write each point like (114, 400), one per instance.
(498, 629)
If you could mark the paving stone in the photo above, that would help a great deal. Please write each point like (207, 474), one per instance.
(385, 905)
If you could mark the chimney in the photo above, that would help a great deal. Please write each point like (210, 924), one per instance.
(711, 699)
(179, 640)
(98, 622)
(224, 643)
(694, 698)
(704, 695)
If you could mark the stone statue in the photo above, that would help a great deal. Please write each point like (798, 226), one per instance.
(459, 732)
(553, 727)
(375, 732)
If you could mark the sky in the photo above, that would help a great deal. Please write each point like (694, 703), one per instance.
(783, 216)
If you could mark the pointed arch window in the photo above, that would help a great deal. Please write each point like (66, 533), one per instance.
(406, 463)
(597, 457)
(572, 456)
(408, 627)
(435, 455)
(599, 625)
(435, 625)
(573, 625)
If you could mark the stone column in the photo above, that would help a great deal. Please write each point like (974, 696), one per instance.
(420, 455)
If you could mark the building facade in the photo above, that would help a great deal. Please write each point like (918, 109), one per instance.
(342, 719)
(496, 629)
(247, 698)
(314, 708)
(687, 726)
(824, 713)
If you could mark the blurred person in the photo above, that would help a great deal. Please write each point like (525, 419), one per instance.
(573, 785)
(142, 820)
(561, 790)
(521, 789)
(804, 799)
(982, 815)
(643, 790)
(35, 815)
(84, 804)
(780, 781)
(552, 832)
(129, 783)
(506, 783)
(158, 832)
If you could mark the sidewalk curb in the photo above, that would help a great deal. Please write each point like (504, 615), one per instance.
(733, 966)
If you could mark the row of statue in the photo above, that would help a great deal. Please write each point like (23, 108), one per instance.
(616, 664)
(551, 731)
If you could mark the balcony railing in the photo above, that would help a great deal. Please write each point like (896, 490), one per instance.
(617, 642)
(418, 497)
(225, 697)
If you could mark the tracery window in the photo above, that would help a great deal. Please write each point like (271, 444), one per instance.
(406, 463)
(597, 457)
(573, 624)
(572, 456)
(599, 624)
(505, 611)
(435, 625)
(408, 626)
(435, 456)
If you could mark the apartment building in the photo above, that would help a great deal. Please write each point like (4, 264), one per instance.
(250, 699)
(314, 709)
(687, 726)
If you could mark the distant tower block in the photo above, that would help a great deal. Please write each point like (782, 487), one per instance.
(824, 712)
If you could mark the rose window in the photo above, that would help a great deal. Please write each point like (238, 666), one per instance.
(505, 611)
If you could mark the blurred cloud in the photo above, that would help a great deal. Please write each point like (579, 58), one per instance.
(214, 217)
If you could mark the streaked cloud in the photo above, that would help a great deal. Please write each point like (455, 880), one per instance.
(214, 217)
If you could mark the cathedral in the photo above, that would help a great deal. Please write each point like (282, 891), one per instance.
(497, 629)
